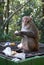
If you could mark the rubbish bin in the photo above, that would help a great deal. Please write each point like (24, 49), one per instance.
(37, 60)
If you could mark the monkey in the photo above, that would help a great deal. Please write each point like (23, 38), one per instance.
(29, 33)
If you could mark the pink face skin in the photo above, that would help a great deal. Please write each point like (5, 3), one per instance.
(26, 19)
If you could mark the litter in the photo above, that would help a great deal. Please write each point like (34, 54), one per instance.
(20, 55)
(16, 54)
(9, 43)
(7, 51)
(15, 59)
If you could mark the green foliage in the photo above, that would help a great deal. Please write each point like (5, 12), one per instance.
(33, 8)
(42, 31)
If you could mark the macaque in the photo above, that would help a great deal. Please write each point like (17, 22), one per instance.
(29, 33)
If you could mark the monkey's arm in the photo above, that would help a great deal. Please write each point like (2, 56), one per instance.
(29, 34)
(22, 33)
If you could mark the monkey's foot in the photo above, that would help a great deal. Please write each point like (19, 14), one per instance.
(19, 46)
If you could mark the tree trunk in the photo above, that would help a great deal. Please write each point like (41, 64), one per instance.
(7, 16)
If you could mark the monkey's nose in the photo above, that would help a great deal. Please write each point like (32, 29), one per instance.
(25, 20)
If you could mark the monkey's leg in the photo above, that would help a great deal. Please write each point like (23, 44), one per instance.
(33, 46)
(25, 44)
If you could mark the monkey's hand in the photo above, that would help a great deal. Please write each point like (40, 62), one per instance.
(18, 33)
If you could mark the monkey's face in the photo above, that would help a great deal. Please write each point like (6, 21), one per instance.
(26, 20)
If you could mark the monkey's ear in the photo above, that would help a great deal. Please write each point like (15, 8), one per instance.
(30, 18)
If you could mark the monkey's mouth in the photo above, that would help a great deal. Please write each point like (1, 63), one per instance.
(26, 23)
